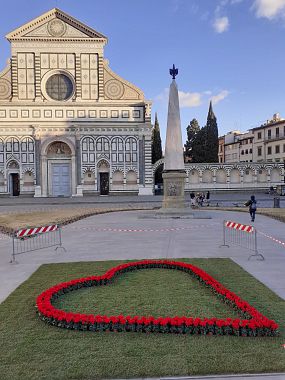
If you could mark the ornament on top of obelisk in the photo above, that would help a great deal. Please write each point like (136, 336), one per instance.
(174, 170)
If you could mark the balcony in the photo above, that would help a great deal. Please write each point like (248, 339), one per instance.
(281, 136)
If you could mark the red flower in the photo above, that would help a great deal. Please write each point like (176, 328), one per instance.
(46, 309)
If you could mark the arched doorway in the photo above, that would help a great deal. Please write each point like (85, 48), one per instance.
(103, 175)
(14, 178)
(59, 169)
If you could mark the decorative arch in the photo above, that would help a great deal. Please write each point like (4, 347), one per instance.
(103, 166)
(118, 178)
(88, 169)
(28, 169)
(52, 140)
(102, 144)
(58, 149)
(89, 177)
(194, 175)
(261, 173)
(248, 174)
(275, 174)
(115, 169)
(131, 148)
(87, 143)
(221, 175)
(131, 179)
(157, 164)
(28, 178)
(12, 146)
(207, 175)
(13, 164)
(235, 175)
(131, 169)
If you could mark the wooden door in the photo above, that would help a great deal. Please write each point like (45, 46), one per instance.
(61, 181)
(104, 183)
(15, 184)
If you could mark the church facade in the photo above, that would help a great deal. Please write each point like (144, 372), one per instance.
(69, 125)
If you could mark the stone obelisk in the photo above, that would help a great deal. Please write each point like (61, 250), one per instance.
(174, 171)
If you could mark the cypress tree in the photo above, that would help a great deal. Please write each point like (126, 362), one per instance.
(192, 132)
(211, 137)
(156, 142)
(198, 146)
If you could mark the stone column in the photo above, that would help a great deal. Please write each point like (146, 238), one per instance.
(174, 171)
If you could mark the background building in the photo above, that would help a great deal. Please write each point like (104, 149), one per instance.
(238, 147)
(221, 151)
(68, 124)
(269, 141)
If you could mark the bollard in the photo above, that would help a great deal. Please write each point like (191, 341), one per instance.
(276, 202)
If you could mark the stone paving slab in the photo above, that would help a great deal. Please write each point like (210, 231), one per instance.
(228, 198)
(122, 235)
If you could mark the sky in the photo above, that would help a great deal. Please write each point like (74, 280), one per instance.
(228, 51)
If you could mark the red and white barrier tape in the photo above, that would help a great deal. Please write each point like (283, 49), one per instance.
(36, 230)
(238, 226)
(273, 238)
(169, 229)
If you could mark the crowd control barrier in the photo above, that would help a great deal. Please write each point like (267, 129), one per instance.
(32, 239)
(242, 235)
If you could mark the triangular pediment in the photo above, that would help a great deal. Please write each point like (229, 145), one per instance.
(55, 24)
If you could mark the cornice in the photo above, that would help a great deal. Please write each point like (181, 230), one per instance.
(55, 13)
(58, 39)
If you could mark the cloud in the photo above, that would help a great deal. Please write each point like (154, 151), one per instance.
(189, 99)
(163, 96)
(221, 96)
(221, 24)
(269, 8)
(192, 99)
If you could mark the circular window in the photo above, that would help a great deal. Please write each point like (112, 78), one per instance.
(59, 87)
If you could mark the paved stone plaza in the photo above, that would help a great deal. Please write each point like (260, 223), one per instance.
(123, 235)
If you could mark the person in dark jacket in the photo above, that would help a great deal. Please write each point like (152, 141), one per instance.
(208, 198)
(251, 203)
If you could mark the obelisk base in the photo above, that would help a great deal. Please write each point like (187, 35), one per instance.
(173, 185)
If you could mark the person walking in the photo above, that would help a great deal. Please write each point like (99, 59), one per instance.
(251, 203)
(193, 200)
(208, 197)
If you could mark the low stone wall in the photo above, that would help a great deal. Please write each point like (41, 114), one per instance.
(238, 176)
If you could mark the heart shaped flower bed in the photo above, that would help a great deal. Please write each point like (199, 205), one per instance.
(252, 324)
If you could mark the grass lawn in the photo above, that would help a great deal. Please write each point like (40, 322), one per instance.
(32, 349)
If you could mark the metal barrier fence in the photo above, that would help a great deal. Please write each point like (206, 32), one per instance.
(242, 235)
(32, 239)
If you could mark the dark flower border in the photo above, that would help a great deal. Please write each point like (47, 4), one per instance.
(253, 324)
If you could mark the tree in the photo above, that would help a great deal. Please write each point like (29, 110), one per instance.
(203, 143)
(198, 146)
(211, 137)
(156, 142)
(192, 131)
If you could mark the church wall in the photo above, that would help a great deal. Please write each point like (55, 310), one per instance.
(238, 176)
(97, 106)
